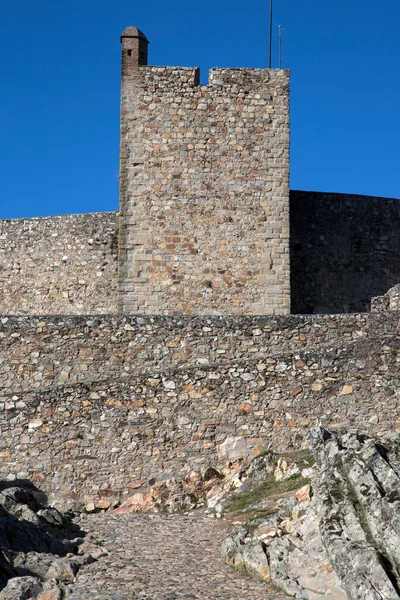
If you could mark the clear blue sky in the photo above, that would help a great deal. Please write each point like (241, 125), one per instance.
(60, 70)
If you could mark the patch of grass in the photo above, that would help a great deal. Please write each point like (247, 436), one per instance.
(270, 487)
(302, 458)
(266, 453)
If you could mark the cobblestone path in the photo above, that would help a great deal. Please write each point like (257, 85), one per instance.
(165, 557)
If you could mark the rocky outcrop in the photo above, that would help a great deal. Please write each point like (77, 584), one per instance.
(338, 538)
(208, 488)
(40, 548)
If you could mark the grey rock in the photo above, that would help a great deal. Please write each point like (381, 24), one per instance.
(51, 591)
(232, 547)
(36, 542)
(62, 568)
(260, 467)
(21, 588)
(358, 520)
(20, 504)
(233, 448)
(52, 516)
(256, 561)
(32, 563)
(345, 541)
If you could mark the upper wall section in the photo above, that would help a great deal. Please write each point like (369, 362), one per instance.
(204, 190)
(59, 265)
(344, 250)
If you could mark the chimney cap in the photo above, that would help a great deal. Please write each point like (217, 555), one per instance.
(133, 32)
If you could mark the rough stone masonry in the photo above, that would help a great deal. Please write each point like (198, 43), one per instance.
(204, 203)
(93, 408)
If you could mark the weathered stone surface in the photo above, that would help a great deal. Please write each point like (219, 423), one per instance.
(388, 301)
(59, 265)
(285, 469)
(37, 563)
(343, 540)
(249, 557)
(136, 503)
(115, 425)
(357, 490)
(204, 191)
(63, 569)
(36, 543)
(29, 588)
(343, 251)
(51, 591)
(234, 448)
(21, 588)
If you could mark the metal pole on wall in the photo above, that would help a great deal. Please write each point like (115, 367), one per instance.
(270, 35)
(280, 45)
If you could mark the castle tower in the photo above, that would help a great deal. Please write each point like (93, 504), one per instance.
(204, 188)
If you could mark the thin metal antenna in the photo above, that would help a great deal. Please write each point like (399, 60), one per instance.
(270, 35)
(280, 29)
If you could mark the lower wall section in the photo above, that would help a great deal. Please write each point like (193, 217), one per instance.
(177, 388)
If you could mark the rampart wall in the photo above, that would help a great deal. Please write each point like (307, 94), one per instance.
(59, 265)
(94, 408)
(204, 191)
(344, 250)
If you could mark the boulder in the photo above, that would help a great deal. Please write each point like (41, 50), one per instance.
(22, 588)
(51, 591)
(233, 448)
(36, 542)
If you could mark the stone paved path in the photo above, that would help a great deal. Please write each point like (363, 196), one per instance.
(166, 557)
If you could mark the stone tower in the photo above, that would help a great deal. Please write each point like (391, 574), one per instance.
(204, 188)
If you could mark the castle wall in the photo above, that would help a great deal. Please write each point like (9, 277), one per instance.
(92, 408)
(65, 264)
(344, 250)
(204, 191)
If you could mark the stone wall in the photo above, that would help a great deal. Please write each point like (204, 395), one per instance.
(344, 250)
(65, 264)
(93, 408)
(204, 190)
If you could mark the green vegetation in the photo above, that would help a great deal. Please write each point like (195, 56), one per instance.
(269, 488)
(303, 458)
(259, 500)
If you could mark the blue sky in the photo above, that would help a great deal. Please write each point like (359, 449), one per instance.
(60, 70)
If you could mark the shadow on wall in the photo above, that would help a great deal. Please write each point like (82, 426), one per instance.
(345, 249)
